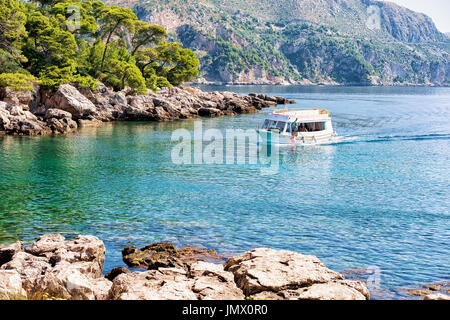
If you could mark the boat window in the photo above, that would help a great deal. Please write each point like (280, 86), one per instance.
(315, 126)
(272, 125)
(269, 124)
(281, 125)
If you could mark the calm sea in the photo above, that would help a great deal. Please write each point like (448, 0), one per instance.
(377, 200)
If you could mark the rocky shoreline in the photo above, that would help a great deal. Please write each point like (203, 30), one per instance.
(42, 112)
(309, 83)
(55, 268)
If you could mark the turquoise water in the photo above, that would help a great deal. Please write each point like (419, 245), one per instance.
(379, 197)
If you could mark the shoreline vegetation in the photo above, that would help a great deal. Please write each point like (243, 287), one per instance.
(42, 111)
(84, 43)
(53, 268)
(109, 66)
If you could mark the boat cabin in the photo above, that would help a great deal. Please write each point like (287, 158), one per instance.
(290, 122)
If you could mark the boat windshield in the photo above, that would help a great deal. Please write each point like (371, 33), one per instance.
(272, 124)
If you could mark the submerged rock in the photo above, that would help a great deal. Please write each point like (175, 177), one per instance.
(432, 291)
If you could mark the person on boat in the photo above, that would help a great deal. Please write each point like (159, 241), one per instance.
(302, 128)
(294, 128)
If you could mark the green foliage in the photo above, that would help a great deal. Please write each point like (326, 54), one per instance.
(12, 26)
(112, 20)
(145, 34)
(53, 76)
(167, 64)
(122, 73)
(88, 11)
(17, 81)
(84, 81)
(185, 67)
(9, 63)
(40, 38)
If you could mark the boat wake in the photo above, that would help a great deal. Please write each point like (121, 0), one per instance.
(385, 138)
(340, 140)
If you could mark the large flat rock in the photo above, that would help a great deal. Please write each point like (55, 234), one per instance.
(266, 269)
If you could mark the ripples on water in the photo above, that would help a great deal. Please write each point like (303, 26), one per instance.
(378, 196)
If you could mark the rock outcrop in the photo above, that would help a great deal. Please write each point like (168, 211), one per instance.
(7, 252)
(165, 255)
(40, 112)
(72, 269)
(11, 285)
(161, 284)
(289, 275)
(15, 119)
(59, 121)
(64, 269)
(69, 99)
(437, 296)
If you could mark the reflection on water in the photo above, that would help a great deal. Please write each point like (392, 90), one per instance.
(376, 197)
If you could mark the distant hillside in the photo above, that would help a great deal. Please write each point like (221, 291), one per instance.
(304, 41)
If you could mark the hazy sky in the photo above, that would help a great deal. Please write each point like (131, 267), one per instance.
(438, 10)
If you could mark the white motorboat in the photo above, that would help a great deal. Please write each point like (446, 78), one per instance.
(305, 126)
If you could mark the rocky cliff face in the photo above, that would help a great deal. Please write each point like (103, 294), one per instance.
(304, 41)
(406, 25)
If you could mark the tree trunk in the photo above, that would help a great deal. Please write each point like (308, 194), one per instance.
(107, 42)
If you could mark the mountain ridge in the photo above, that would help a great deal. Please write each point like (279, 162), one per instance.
(304, 41)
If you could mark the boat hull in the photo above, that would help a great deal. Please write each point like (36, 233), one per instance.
(301, 139)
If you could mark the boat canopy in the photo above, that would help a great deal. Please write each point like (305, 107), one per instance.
(309, 120)
(305, 115)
